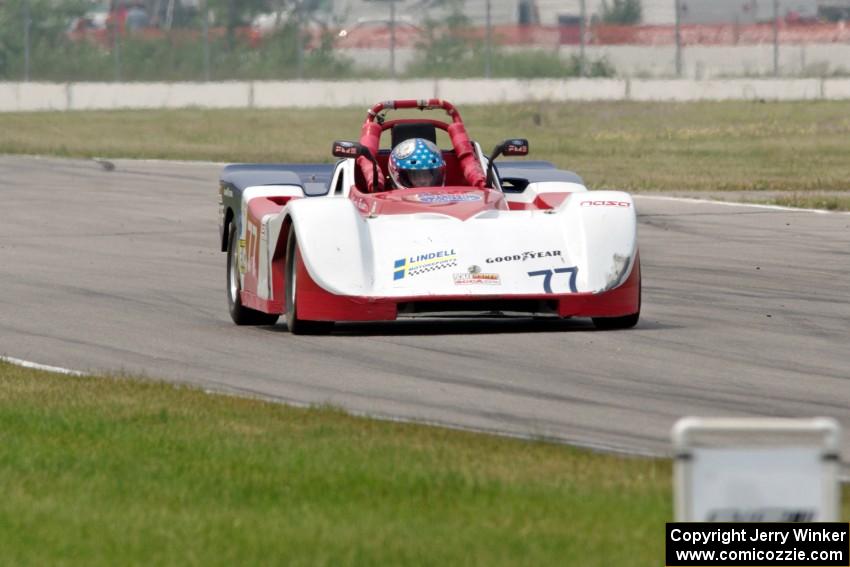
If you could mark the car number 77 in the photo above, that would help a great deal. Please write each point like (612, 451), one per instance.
(547, 277)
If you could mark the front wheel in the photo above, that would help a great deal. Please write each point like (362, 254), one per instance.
(613, 323)
(240, 314)
(298, 326)
(625, 322)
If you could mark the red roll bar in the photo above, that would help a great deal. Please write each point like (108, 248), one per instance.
(370, 136)
(422, 104)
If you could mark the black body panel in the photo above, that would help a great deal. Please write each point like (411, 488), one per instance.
(313, 178)
(242, 175)
(516, 175)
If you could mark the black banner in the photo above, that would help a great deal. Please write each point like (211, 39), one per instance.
(823, 544)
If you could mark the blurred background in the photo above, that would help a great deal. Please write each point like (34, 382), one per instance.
(203, 40)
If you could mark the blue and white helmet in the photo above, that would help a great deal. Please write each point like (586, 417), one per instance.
(417, 162)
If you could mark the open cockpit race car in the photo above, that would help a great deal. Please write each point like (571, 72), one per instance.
(323, 243)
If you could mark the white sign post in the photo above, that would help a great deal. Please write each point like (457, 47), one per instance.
(756, 470)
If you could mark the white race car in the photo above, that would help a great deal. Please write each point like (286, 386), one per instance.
(323, 243)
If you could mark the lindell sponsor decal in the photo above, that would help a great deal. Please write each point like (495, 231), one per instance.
(422, 263)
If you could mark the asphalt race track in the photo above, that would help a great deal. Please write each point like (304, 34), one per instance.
(746, 311)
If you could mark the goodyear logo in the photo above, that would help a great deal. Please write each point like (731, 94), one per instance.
(424, 263)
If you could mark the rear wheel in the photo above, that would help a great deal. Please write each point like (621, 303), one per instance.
(240, 314)
(298, 326)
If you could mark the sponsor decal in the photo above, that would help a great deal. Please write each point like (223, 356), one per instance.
(522, 257)
(474, 275)
(516, 147)
(424, 263)
(478, 278)
(242, 259)
(605, 204)
(446, 197)
(227, 193)
(404, 149)
(252, 246)
(342, 149)
(361, 204)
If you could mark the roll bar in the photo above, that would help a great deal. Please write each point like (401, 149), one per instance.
(421, 104)
(370, 136)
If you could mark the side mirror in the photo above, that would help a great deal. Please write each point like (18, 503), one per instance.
(517, 147)
(342, 149)
(513, 147)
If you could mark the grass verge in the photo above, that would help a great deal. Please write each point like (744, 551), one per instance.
(794, 147)
(116, 471)
(109, 471)
(804, 201)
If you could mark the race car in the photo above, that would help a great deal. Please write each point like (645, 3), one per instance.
(325, 243)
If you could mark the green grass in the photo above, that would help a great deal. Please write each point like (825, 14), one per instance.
(790, 147)
(825, 202)
(122, 472)
(114, 471)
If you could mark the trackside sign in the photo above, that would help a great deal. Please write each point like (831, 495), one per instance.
(756, 470)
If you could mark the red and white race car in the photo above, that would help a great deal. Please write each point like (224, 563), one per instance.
(321, 243)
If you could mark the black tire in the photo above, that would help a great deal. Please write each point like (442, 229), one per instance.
(625, 322)
(240, 314)
(614, 323)
(298, 326)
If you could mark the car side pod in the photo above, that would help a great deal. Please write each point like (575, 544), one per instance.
(313, 303)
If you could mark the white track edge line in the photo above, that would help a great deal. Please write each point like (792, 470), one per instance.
(37, 366)
(600, 447)
(737, 204)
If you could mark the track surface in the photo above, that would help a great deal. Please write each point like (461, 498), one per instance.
(746, 312)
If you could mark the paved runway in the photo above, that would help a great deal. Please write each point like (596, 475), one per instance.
(746, 311)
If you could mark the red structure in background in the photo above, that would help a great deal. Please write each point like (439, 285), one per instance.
(104, 37)
(790, 31)
(720, 34)
(408, 36)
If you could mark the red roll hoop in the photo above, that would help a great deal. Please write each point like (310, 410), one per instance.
(370, 136)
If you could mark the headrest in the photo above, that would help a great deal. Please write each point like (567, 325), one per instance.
(402, 132)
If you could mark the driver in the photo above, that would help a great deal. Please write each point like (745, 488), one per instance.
(417, 162)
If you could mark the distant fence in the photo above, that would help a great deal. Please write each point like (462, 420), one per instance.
(23, 97)
(602, 34)
(152, 40)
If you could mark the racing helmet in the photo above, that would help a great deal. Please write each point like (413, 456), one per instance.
(417, 162)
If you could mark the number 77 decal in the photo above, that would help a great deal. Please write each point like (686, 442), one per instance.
(547, 277)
